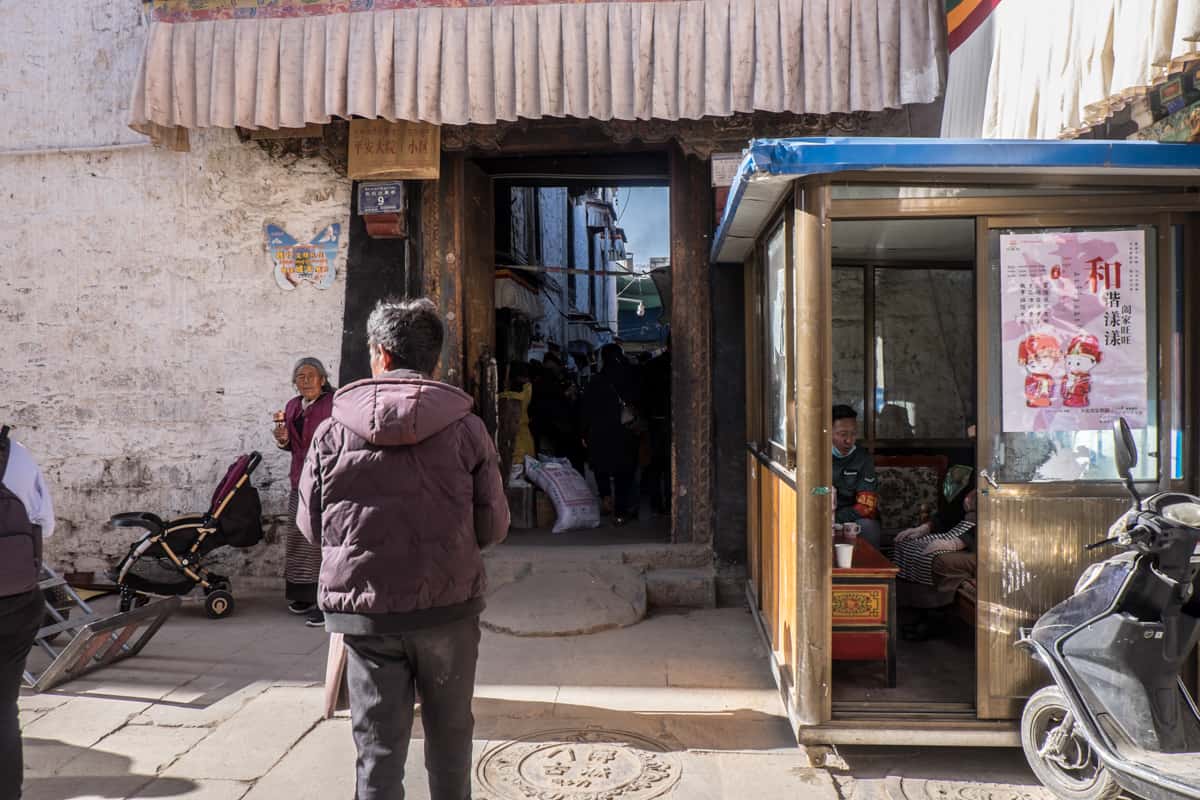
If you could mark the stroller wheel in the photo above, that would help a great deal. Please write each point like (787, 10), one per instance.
(218, 603)
(131, 600)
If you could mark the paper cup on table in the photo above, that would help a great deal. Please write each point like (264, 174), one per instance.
(845, 555)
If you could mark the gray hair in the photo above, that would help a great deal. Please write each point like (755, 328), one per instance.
(315, 363)
(411, 331)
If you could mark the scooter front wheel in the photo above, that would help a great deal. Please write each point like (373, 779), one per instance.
(1059, 754)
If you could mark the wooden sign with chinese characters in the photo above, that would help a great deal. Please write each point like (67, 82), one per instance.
(380, 149)
(725, 168)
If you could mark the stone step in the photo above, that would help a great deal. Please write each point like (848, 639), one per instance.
(681, 588)
(568, 602)
(677, 575)
(641, 556)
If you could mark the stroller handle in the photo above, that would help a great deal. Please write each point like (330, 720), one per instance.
(255, 460)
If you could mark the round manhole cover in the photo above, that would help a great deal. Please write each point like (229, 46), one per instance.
(579, 765)
(951, 790)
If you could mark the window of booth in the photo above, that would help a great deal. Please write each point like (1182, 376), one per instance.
(1074, 327)
(904, 328)
(849, 337)
(924, 353)
(779, 411)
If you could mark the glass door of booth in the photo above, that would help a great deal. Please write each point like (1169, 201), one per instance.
(1077, 325)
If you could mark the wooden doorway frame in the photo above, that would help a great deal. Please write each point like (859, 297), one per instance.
(455, 277)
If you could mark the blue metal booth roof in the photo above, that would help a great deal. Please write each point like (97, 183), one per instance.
(770, 165)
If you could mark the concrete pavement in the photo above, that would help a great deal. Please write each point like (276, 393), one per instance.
(232, 709)
(678, 706)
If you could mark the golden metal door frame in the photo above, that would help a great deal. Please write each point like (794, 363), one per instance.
(1066, 495)
(814, 208)
(813, 325)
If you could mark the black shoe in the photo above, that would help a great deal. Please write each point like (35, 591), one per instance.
(301, 609)
(316, 619)
(920, 631)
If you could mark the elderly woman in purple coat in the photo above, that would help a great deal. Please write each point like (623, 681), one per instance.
(294, 428)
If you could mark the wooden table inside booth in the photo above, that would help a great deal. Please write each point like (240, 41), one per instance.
(864, 609)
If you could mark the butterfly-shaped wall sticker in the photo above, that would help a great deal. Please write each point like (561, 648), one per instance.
(296, 263)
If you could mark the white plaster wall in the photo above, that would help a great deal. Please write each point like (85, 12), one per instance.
(144, 342)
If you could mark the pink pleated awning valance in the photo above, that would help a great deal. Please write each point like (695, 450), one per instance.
(228, 63)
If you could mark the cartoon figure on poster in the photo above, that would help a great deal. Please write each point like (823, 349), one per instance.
(1074, 330)
(1083, 354)
(1040, 355)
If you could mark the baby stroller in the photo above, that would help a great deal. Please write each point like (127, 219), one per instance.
(170, 558)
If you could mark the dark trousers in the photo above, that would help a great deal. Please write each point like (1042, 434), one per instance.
(20, 618)
(619, 486)
(657, 477)
(382, 673)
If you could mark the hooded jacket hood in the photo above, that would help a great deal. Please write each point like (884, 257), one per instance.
(399, 408)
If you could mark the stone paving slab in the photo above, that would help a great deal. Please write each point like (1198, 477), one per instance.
(97, 788)
(758, 733)
(205, 701)
(45, 757)
(587, 761)
(243, 719)
(701, 670)
(901, 772)
(572, 699)
(83, 721)
(720, 775)
(30, 703)
(127, 685)
(143, 748)
(320, 766)
(517, 700)
(199, 790)
(896, 788)
(249, 743)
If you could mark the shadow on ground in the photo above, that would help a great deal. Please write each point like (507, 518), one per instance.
(115, 779)
(677, 730)
(976, 764)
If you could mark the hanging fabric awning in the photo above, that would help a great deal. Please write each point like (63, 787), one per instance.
(1039, 70)
(290, 63)
(513, 294)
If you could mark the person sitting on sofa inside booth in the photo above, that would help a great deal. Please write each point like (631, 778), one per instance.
(854, 476)
(935, 559)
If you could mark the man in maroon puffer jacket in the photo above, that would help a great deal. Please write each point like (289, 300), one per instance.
(402, 490)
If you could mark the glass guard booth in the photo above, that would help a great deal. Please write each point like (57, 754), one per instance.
(986, 309)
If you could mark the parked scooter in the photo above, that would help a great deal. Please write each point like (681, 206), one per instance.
(1118, 718)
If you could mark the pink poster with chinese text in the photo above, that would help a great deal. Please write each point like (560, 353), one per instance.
(1074, 328)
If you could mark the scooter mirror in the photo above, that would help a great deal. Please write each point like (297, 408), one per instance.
(1126, 449)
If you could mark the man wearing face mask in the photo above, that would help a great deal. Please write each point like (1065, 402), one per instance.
(854, 476)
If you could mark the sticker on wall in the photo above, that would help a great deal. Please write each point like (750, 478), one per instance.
(297, 263)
